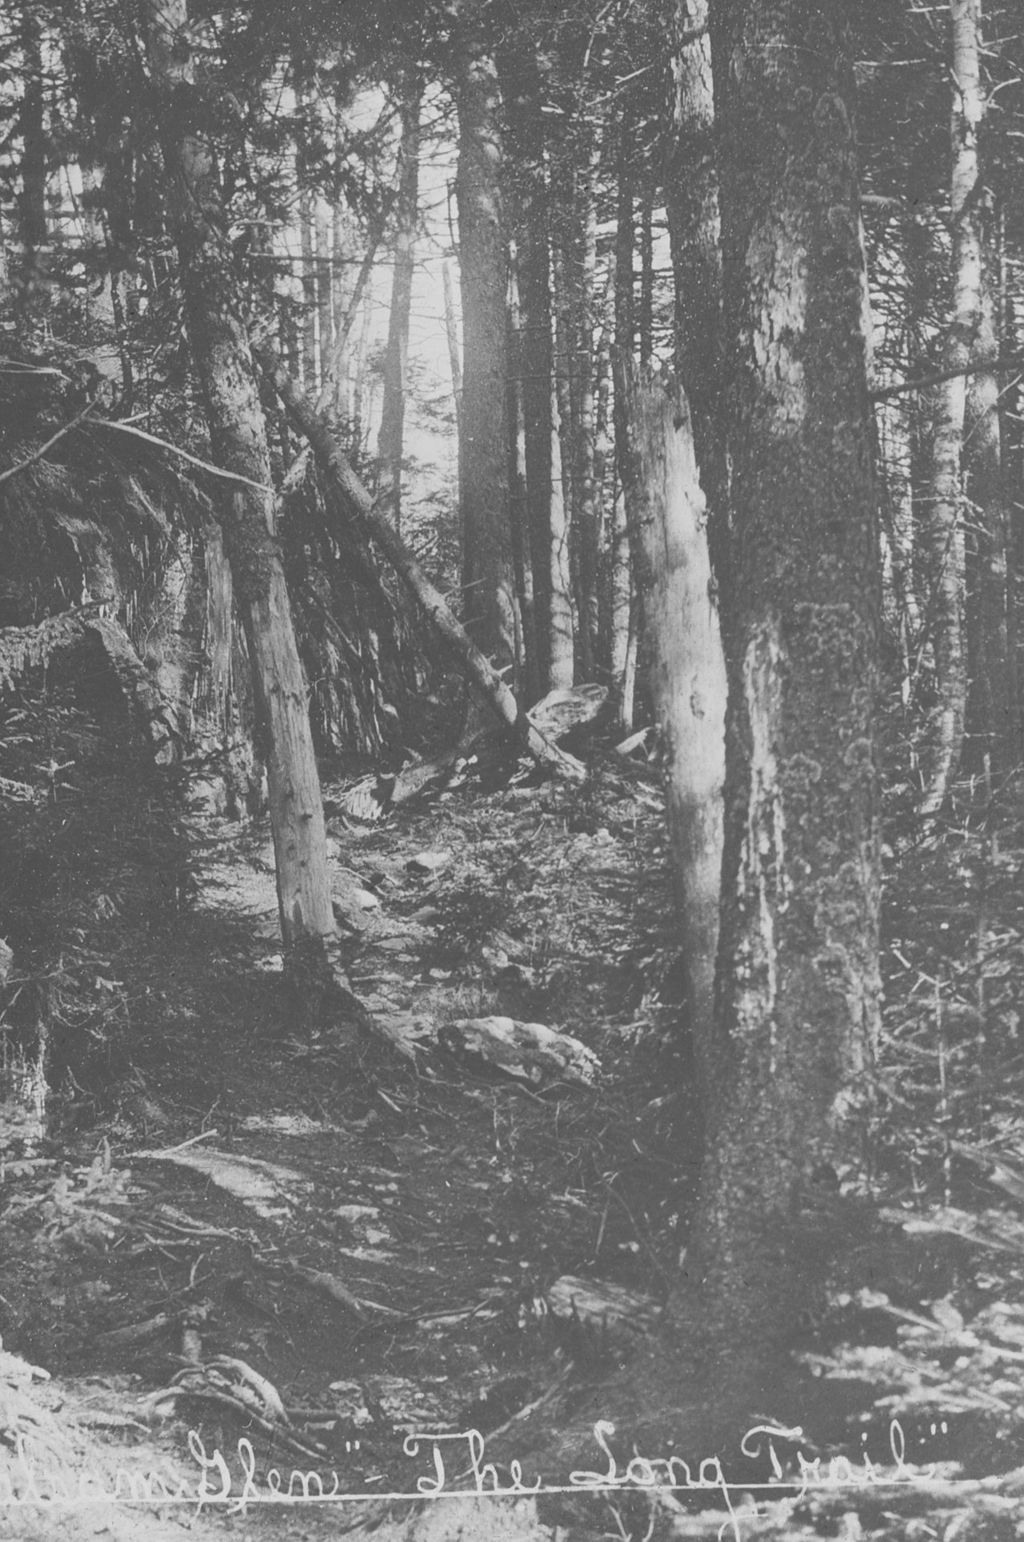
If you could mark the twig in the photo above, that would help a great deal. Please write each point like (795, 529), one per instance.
(175, 449)
(988, 366)
(38, 454)
(547, 1396)
(275, 1431)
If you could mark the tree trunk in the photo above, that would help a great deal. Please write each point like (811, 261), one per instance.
(519, 506)
(32, 222)
(993, 721)
(531, 223)
(309, 297)
(106, 339)
(324, 289)
(620, 588)
(392, 420)
(562, 653)
(797, 1014)
(623, 369)
(691, 199)
(237, 432)
(488, 576)
(945, 524)
(586, 517)
(645, 316)
(685, 673)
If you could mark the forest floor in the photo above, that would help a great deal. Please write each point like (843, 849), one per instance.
(234, 1231)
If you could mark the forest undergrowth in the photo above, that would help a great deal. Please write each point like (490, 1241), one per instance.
(233, 1228)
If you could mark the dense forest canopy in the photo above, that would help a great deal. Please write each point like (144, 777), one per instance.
(568, 458)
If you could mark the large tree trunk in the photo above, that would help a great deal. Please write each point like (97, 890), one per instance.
(945, 523)
(238, 437)
(392, 419)
(488, 575)
(798, 986)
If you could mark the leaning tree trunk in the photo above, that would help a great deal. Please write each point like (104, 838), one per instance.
(488, 572)
(392, 418)
(237, 432)
(797, 1014)
(945, 522)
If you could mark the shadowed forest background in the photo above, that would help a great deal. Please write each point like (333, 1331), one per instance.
(511, 914)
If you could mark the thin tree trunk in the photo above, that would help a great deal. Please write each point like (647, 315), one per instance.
(519, 506)
(623, 367)
(451, 332)
(797, 1015)
(645, 317)
(32, 222)
(531, 222)
(237, 431)
(324, 289)
(621, 607)
(309, 297)
(586, 494)
(392, 421)
(993, 723)
(359, 412)
(561, 665)
(488, 575)
(945, 522)
(106, 344)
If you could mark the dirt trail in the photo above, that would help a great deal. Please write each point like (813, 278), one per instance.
(363, 1240)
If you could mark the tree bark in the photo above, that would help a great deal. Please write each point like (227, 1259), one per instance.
(488, 576)
(237, 431)
(797, 1015)
(685, 668)
(392, 420)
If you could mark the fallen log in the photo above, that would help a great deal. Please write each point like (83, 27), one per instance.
(529, 1051)
(345, 486)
